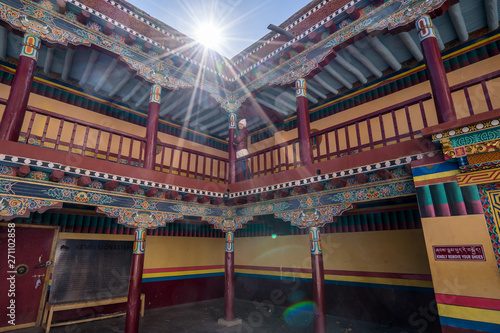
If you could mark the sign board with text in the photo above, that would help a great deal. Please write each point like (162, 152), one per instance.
(459, 252)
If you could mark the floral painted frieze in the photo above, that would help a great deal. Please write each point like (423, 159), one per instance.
(315, 217)
(139, 219)
(12, 207)
(227, 224)
(18, 20)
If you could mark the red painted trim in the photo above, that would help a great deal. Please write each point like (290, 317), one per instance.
(423, 277)
(474, 302)
(180, 269)
(427, 131)
(416, 146)
(23, 150)
(451, 329)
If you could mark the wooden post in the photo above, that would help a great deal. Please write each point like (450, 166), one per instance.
(152, 128)
(318, 280)
(12, 120)
(134, 288)
(305, 147)
(229, 278)
(441, 94)
(232, 152)
(229, 318)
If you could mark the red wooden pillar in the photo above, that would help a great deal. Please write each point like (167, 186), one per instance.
(152, 128)
(229, 318)
(435, 70)
(134, 287)
(305, 147)
(232, 152)
(318, 280)
(229, 278)
(13, 116)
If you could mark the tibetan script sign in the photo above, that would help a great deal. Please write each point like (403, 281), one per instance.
(459, 252)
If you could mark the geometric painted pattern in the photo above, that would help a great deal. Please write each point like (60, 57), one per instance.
(490, 199)
(479, 177)
(483, 158)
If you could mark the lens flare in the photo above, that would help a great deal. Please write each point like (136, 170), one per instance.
(209, 35)
(300, 314)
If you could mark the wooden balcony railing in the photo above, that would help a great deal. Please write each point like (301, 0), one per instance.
(51, 130)
(380, 128)
(390, 125)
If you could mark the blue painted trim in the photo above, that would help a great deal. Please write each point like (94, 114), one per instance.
(273, 277)
(181, 277)
(469, 324)
(380, 286)
(433, 169)
(341, 283)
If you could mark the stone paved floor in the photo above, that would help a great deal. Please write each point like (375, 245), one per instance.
(202, 317)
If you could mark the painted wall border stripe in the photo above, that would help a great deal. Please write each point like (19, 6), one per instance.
(178, 269)
(407, 276)
(180, 277)
(469, 324)
(340, 283)
(474, 302)
(471, 314)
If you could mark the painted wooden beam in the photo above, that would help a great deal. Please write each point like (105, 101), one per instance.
(411, 45)
(209, 115)
(56, 176)
(111, 185)
(384, 52)
(48, 60)
(134, 91)
(120, 85)
(151, 192)
(4, 38)
(312, 99)
(84, 180)
(174, 105)
(312, 88)
(106, 74)
(363, 60)
(83, 17)
(68, 62)
(23, 171)
(274, 97)
(458, 21)
(188, 107)
(142, 99)
(272, 107)
(491, 13)
(439, 39)
(347, 66)
(334, 74)
(215, 122)
(90, 66)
